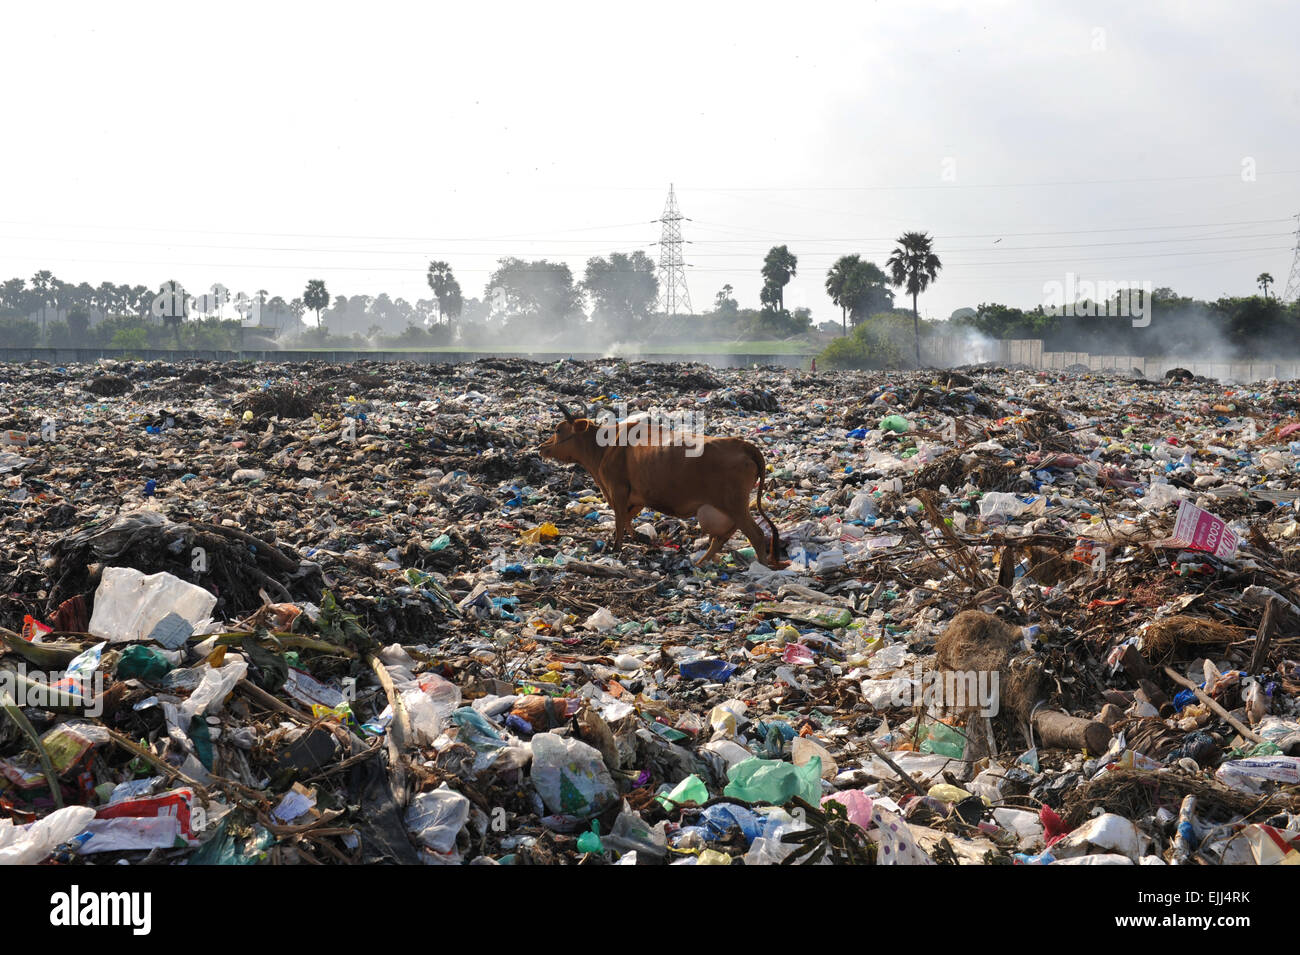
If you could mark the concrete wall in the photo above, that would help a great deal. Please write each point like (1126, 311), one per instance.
(1030, 352)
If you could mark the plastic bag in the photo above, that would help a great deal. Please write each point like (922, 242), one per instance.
(1159, 496)
(600, 621)
(437, 817)
(213, 688)
(944, 740)
(774, 781)
(129, 604)
(857, 803)
(803, 750)
(570, 776)
(1108, 831)
(690, 789)
(140, 662)
(1000, 506)
(29, 844)
(897, 844)
(861, 507)
(429, 704)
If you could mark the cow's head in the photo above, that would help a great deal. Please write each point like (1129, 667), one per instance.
(571, 436)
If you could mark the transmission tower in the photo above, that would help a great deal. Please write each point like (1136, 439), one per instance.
(1292, 293)
(674, 297)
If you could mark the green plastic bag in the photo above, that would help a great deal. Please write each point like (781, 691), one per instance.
(226, 848)
(775, 781)
(139, 662)
(690, 789)
(896, 423)
(944, 740)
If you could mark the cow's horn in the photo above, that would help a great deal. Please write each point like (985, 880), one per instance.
(568, 415)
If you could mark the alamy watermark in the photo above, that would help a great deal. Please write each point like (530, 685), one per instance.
(977, 690)
(656, 426)
(54, 689)
(1082, 298)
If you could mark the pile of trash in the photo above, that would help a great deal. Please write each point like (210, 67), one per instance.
(258, 613)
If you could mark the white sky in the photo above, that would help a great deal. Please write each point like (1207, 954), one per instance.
(260, 145)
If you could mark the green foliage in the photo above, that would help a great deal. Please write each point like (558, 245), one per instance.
(135, 339)
(779, 267)
(622, 288)
(858, 288)
(19, 332)
(78, 325)
(316, 297)
(446, 290)
(58, 335)
(340, 627)
(882, 341)
(541, 291)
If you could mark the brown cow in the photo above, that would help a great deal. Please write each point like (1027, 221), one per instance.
(681, 475)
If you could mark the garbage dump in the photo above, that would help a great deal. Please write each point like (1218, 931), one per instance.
(327, 614)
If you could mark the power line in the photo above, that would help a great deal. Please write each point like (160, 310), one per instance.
(317, 267)
(557, 253)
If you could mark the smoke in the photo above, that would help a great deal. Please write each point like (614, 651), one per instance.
(1188, 332)
(631, 350)
(956, 345)
(976, 348)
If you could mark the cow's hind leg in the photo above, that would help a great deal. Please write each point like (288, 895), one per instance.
(715, 545)
(757, 537)
(717, 525)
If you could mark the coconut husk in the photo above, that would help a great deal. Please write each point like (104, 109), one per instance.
(975, 640)
(1165, 638)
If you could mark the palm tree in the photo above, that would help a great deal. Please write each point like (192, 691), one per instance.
(106, 297)
(778, 269)
(445, 287)
(42, 285)
(1264, 281)
(839, 286)
(914, 265)
(316, 297)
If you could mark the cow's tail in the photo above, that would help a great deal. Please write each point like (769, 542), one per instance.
(774, 541)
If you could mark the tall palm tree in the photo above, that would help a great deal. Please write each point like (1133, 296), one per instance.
(444, 285)
(778, 269)
(914, 266)
(316, 297)
(840, 281)
(1264, 281)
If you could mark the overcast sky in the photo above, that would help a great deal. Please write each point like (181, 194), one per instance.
(260, 145)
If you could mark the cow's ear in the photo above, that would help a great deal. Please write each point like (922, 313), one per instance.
(583, 424)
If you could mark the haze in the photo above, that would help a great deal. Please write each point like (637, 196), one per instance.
(261, 145)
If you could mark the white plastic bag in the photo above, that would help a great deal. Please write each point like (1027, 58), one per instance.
(429, 705)
(29, 844)
(570, 776)
(129, 604)
(213, 689)
(601, 621)
(861, 507)
(1108, 831)
(1159, 496)
(436, 818)
(1000, 506)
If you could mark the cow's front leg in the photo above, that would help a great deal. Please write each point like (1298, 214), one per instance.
(622, 517)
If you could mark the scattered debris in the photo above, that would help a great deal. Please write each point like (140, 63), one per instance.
(320, 614)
